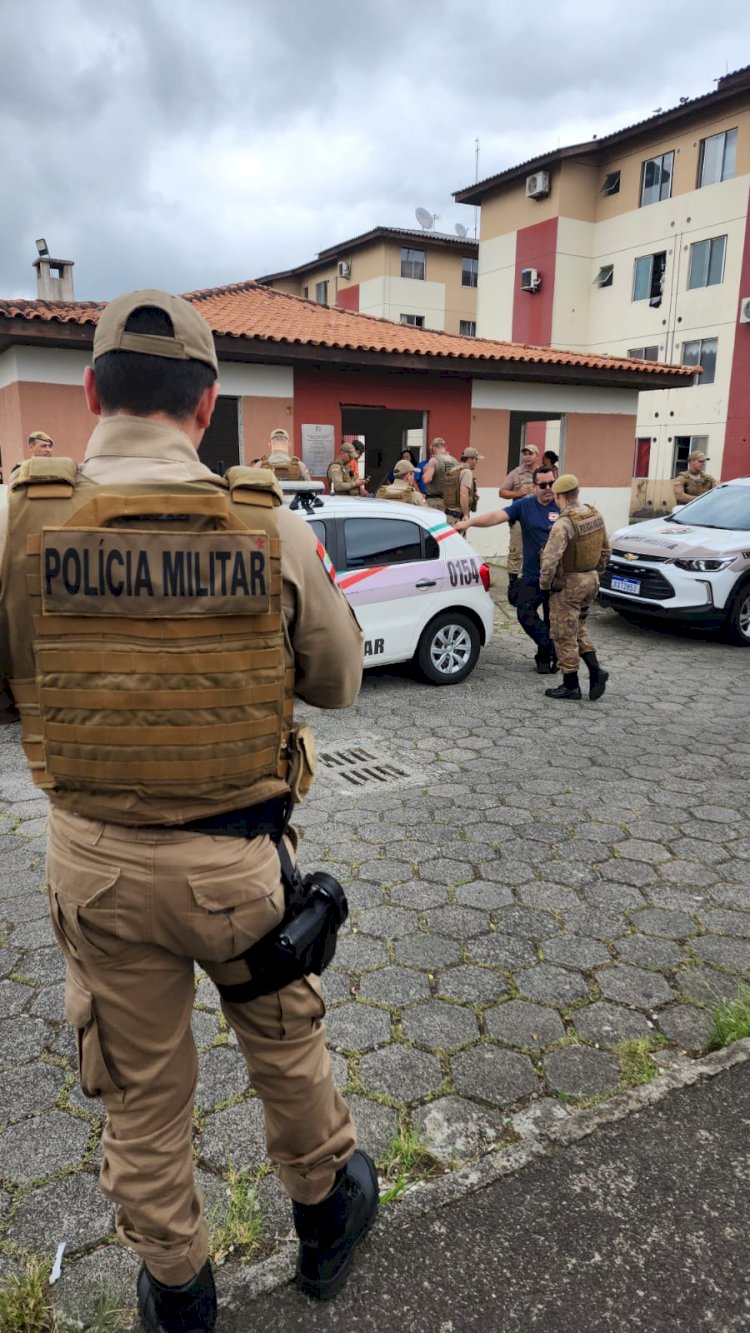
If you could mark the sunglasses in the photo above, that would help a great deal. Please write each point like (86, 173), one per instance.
(545, 485)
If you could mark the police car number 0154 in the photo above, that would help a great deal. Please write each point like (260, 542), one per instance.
(462, 572)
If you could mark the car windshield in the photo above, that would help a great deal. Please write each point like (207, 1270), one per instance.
(726, 507)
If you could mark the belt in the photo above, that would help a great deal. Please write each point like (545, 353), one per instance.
(268, 818)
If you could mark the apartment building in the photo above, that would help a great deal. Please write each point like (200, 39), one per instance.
(422, 278)
(637, 245)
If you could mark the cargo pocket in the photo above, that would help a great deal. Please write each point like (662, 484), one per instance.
(94, 1070)
(236, 905)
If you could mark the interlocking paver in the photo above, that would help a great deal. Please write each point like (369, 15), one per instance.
(488, 943)
(73, 1208)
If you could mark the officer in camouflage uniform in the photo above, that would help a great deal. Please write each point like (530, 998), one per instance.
(403, 487)
(694, 481)
(576, 553)
(283, 463)
(342, 476)
(155, 622)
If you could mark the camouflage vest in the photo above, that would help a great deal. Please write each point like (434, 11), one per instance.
(696, 483)
(583, 552)
(289, 471)
(147, 650)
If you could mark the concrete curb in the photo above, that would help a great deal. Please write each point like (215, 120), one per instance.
(425, 1197)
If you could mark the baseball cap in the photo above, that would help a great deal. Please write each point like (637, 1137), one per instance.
(191, 340)
(567, 482)
(438, 440)
(472, 453)
(529, 449)
(702, 458)
(349, 450)
(403, 468)
(280, 434)
(40, 435)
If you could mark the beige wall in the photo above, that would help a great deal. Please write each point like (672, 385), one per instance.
(259, 417)
(58, 409)
(489, 434)
(599, 448)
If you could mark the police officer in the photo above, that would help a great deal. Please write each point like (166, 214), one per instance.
(283, 463)
(154, 622)
(342, 478)
(404, 485)
(465, 486)
(39, 445)
(433, 475)
(694, 481)
(576, 552)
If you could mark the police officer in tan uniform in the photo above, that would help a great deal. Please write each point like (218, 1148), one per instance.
(575, 555)
(39, 445)
(280, 459)
(343, 478)
(155, 622)
(403, 487)
(465, 487)
(694, 481)
(433, 476)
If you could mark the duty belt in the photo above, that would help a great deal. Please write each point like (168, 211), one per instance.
(267, 818)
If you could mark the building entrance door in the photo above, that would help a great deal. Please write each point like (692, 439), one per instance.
(220, 447)
(385, 431)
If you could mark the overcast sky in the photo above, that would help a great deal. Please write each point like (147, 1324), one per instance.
(188, 143)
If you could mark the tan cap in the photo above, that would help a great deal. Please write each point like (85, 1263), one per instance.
(702, 458)
(472, 453)
(279, 434)
(40, 435)
(403, 468)
(192, 339)
(567, 482)
(349, 450)
(438, 440)
(529, 449)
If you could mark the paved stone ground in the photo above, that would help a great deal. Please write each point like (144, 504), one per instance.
(547, 881)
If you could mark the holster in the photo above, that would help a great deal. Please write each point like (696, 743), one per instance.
(303, 942)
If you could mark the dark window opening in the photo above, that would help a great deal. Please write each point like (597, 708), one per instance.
(650, 353)
(412, 263)
(381, 541)
(605, 276)
(469, 271)
(648, 278)
(611, 183)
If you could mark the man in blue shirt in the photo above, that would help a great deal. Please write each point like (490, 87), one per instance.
(535, 515)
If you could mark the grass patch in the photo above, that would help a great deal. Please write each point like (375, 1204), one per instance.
(26, 1307)
(636, 1065)
(731, 1020)
(241, 1231)
(406, 1160)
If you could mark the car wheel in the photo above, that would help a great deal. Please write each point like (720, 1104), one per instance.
(448, 649)
(738, 620)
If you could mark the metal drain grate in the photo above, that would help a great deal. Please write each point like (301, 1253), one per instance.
(358, 767)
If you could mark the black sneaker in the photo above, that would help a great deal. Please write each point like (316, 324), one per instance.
(330, 1231)
(188, 1309)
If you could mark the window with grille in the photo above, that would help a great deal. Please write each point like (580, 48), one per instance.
(412, 263)
(468, 327)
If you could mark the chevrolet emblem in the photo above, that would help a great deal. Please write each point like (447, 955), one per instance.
(629, 556)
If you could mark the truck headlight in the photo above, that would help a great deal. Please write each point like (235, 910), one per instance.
(701, 566)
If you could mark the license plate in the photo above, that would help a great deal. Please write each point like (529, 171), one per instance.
(626, 585)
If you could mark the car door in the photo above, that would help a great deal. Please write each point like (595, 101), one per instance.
(391, 573)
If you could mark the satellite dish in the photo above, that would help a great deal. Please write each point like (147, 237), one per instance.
(460, 229)
(425, 219)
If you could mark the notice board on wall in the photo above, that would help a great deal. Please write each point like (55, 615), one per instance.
(318, 448)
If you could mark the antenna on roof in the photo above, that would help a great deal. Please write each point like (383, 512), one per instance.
(426, 220)
(461, 230)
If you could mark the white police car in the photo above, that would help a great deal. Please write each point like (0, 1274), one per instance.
(418, 589)
(692, 567)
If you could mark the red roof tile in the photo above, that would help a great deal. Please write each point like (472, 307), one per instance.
(249, 310)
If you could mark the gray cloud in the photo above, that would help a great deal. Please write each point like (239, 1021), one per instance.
(188, 145)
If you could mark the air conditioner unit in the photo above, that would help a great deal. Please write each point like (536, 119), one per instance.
(745, 310)
(530, 280)
(345, 268)
(537, 186)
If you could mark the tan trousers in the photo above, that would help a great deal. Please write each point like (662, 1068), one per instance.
(515, 549)
(131, 909)
(568, 611)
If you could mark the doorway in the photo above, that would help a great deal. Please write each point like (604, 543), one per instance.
(544, 429)
(220, 447)
(385, 432)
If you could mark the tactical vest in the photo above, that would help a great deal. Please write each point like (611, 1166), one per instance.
(452, 487)
(443, 467)
(289, 471)
(147, 652)
(583, 553)
(696, 484)
(392, 492)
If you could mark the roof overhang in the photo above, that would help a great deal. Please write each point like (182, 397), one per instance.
(18, 332)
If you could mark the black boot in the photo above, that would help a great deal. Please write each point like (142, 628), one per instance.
(546, 664)
(330, 1231)
(513, 589)
(598, 677)
(188, 1309)
(570, 688)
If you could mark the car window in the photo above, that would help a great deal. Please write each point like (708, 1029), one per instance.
(319, 528)
(381, 541)
(431, 548)
(727, 507)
